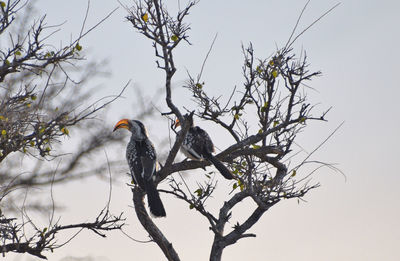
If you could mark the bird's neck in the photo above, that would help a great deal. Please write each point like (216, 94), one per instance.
(138, 138)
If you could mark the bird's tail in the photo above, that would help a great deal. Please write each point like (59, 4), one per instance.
(155, 204)
(220, 167)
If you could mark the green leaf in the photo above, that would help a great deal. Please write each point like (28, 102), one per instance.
(274, 73)
(78, 47)
(237, 116)
(191, 206)
(2, 4)
(256, 147)
(49, 54)
(17, 53)
(174, 38)
(65, 131)
(199, 192)
(293, 173)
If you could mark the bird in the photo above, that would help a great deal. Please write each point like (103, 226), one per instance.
(197, 145)
(142, 160)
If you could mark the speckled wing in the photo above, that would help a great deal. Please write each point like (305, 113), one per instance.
(198, 143)
(207, 144)
(148, 159)
(135, 163)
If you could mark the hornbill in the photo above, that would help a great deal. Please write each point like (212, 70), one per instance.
(142, 161)
(197, 145)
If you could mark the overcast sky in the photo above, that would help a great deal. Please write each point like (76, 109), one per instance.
(355, 47)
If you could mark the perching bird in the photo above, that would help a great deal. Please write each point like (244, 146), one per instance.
(198, 145)
(142, 161)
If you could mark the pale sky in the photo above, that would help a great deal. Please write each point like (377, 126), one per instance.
(355, 47)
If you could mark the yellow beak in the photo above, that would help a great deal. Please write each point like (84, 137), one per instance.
(122, 124)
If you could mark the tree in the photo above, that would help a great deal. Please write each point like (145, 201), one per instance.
(274, 89)
(37, 112)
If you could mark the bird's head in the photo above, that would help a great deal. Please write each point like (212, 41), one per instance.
(189, 117)
(176, 124)
(137, 128)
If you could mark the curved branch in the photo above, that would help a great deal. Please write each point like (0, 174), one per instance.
(151, 228)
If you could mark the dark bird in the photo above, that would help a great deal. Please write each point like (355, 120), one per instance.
(142, 161)
(197, 145)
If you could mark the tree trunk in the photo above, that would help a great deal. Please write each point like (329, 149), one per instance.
(216, 250)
